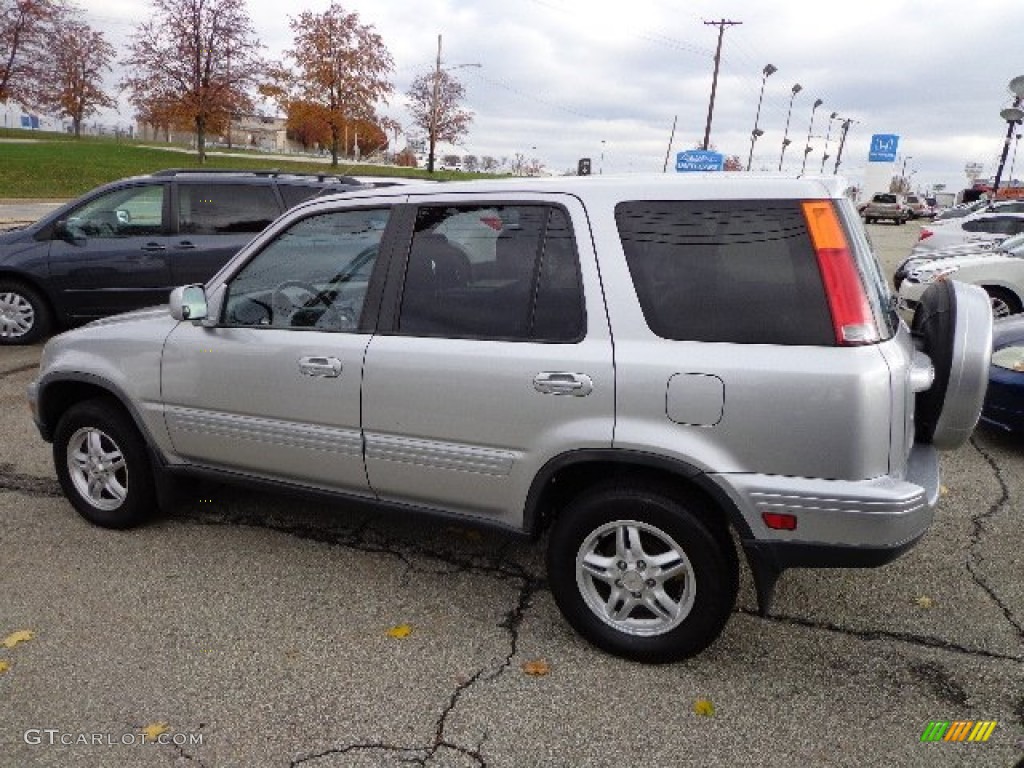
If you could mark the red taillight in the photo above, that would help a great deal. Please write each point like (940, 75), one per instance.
(852, 318)
(779, 521)
(925, 233)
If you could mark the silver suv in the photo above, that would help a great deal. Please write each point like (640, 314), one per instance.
(886, 206)
(646, 368)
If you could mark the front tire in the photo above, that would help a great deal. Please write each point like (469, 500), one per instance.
(103, 465)
(638, 573)
(25, 317)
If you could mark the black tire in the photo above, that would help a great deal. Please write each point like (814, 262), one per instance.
(103, 465)
(25, 316)
(1004, 302)
(699, 587)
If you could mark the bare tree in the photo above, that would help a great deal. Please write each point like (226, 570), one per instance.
(71, 84)
(340, 66)
(435, 101)
(25, 29)
(194, 62)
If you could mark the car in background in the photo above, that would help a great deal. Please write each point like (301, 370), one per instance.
(126, 244)
(1004, 400)
(1011, 246)
(918, 207)
(886, 206)
(977, 227)
(999, 271)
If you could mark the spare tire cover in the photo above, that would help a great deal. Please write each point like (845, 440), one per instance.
(953, 326)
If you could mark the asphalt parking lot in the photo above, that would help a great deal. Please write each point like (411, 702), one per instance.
(253, 630)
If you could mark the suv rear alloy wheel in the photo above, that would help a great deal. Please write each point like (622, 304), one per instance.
(639, 575)
(24, 316)
(1004, 302)
(103, 466)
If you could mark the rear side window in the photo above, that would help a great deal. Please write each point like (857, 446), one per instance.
(294, 194)
(216, 209)
(737, 271)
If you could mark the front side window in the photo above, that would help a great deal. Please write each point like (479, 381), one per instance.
(217, 209)
(729, 270)
(313, 275)
(133, 211)
(493, 272)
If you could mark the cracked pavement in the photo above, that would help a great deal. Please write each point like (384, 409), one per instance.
(259, 624)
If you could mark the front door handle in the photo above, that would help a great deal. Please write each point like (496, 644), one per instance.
(563, 383)
(154, 247)
(323, 367)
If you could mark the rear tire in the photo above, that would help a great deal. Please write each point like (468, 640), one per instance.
(638, 573)
(25, 317)
(103, 464)
(1004, 302)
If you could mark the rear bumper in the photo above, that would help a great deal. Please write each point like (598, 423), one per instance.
(840, 523)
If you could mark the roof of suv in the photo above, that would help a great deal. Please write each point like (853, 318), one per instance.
(717, 185)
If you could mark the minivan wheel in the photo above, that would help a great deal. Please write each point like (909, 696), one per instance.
(103, 465)
(25, 317)
(639, 574)
(1004, 303)
(953, 326)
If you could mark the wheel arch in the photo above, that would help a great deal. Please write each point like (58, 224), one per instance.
(568, 474)
(58, 394)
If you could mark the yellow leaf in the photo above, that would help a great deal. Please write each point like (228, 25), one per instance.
(943, 490)
(925, 602)
(402, 630)
(14, 638)
(153, 730)
(536, 668)
(703, 707)
(4, 666)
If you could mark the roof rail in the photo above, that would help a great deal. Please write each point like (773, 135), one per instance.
(176, 171)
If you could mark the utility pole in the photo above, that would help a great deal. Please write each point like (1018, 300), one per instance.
(721, 24)
(433, 109)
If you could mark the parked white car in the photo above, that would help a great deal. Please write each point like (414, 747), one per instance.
(1000, 272)
(976, 227)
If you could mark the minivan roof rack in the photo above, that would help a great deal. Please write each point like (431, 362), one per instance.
(268, 172)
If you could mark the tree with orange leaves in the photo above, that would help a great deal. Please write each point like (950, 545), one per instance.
(193, 62)
(71, 83)
(25, 30)
(339, 66)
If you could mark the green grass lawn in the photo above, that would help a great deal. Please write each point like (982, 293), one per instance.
(57, 166)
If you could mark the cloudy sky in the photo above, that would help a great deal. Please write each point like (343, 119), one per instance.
(564, 79)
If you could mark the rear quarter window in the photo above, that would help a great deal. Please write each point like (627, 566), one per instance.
(741, 271)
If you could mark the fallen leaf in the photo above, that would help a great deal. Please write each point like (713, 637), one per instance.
(925, 602)
(21, 636)
(704, 708)
(153, 730)
(943, 490)
(4, 666)
(402, 630)
(536, 668)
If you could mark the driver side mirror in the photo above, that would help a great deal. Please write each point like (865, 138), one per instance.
(68, 232)
(189, 303)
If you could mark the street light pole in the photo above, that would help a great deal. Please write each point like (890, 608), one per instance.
(828, 134)
(903, 174)
(1013, 161)
(785, 136)
(810, 127)
(842, 141)
(1012, 115)
(768, 70)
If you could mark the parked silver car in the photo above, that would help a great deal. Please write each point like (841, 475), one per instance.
(647, 367)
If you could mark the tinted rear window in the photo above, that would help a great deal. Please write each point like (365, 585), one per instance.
(730, 270)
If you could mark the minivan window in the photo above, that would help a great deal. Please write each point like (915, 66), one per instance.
(214, 209)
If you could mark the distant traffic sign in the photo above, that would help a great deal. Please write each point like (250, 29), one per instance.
(699, 160)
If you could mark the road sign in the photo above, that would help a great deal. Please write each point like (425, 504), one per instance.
(699, 160)
(583, 167)
(883, 148)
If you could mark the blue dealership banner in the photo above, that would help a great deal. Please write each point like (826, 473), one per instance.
(883, 148)
(699, 160)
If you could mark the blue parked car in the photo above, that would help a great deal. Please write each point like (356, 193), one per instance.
(1004, 402)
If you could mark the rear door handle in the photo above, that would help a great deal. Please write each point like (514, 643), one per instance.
(153, 247)
(321, 367)
(563, 383)
(187, 245)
